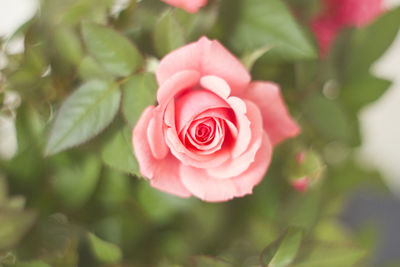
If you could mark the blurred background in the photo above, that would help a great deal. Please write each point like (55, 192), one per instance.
(365, 206)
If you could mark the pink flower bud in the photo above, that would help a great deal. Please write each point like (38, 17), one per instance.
(301, 185)
(305, 169)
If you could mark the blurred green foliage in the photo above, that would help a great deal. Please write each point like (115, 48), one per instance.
(85, 76)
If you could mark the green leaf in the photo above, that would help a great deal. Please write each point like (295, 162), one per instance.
(83, 115)
(346, 178)
(196, 25)
(13, 226)
(333, 256)
(358, 86)
(90, 69)
(261, 23)
(138, 93)
(168, 34)
(362, 90)
(283, 251)
(75, 184)
(68, 44)
(104, 251)
(116, 53)
(288, 249)
(328, 117)
(363, 52)
(302, 210)
(90, 10)
(35, 60)
(206, 261)
(249, 59)
(118, 153)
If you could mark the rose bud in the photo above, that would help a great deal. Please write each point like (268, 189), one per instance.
(305, 170)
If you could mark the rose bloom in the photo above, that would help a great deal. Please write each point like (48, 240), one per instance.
(191, 6)
(338, 14)
(212, 133)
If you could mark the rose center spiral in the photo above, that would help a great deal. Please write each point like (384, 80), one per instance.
(203, 132)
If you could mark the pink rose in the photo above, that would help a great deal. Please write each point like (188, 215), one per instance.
(353, 12)
(325, 30)
(191, 6)
(338, 14)
(212, 132)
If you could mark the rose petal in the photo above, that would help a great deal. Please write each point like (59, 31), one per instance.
(181, 152)
(237, 165)
(207, 188)
(141, 148)
(191, 158)
(218, 61)
(175, 83)
(166, 177)
(169, 115)
(165, 94)
(277, 121)
(216, 85)
(216, 143)
(211, 123)
(165, 172)
(194, 102)
(243, 125)
(209, 58)
(225, 114)
(155, 136)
